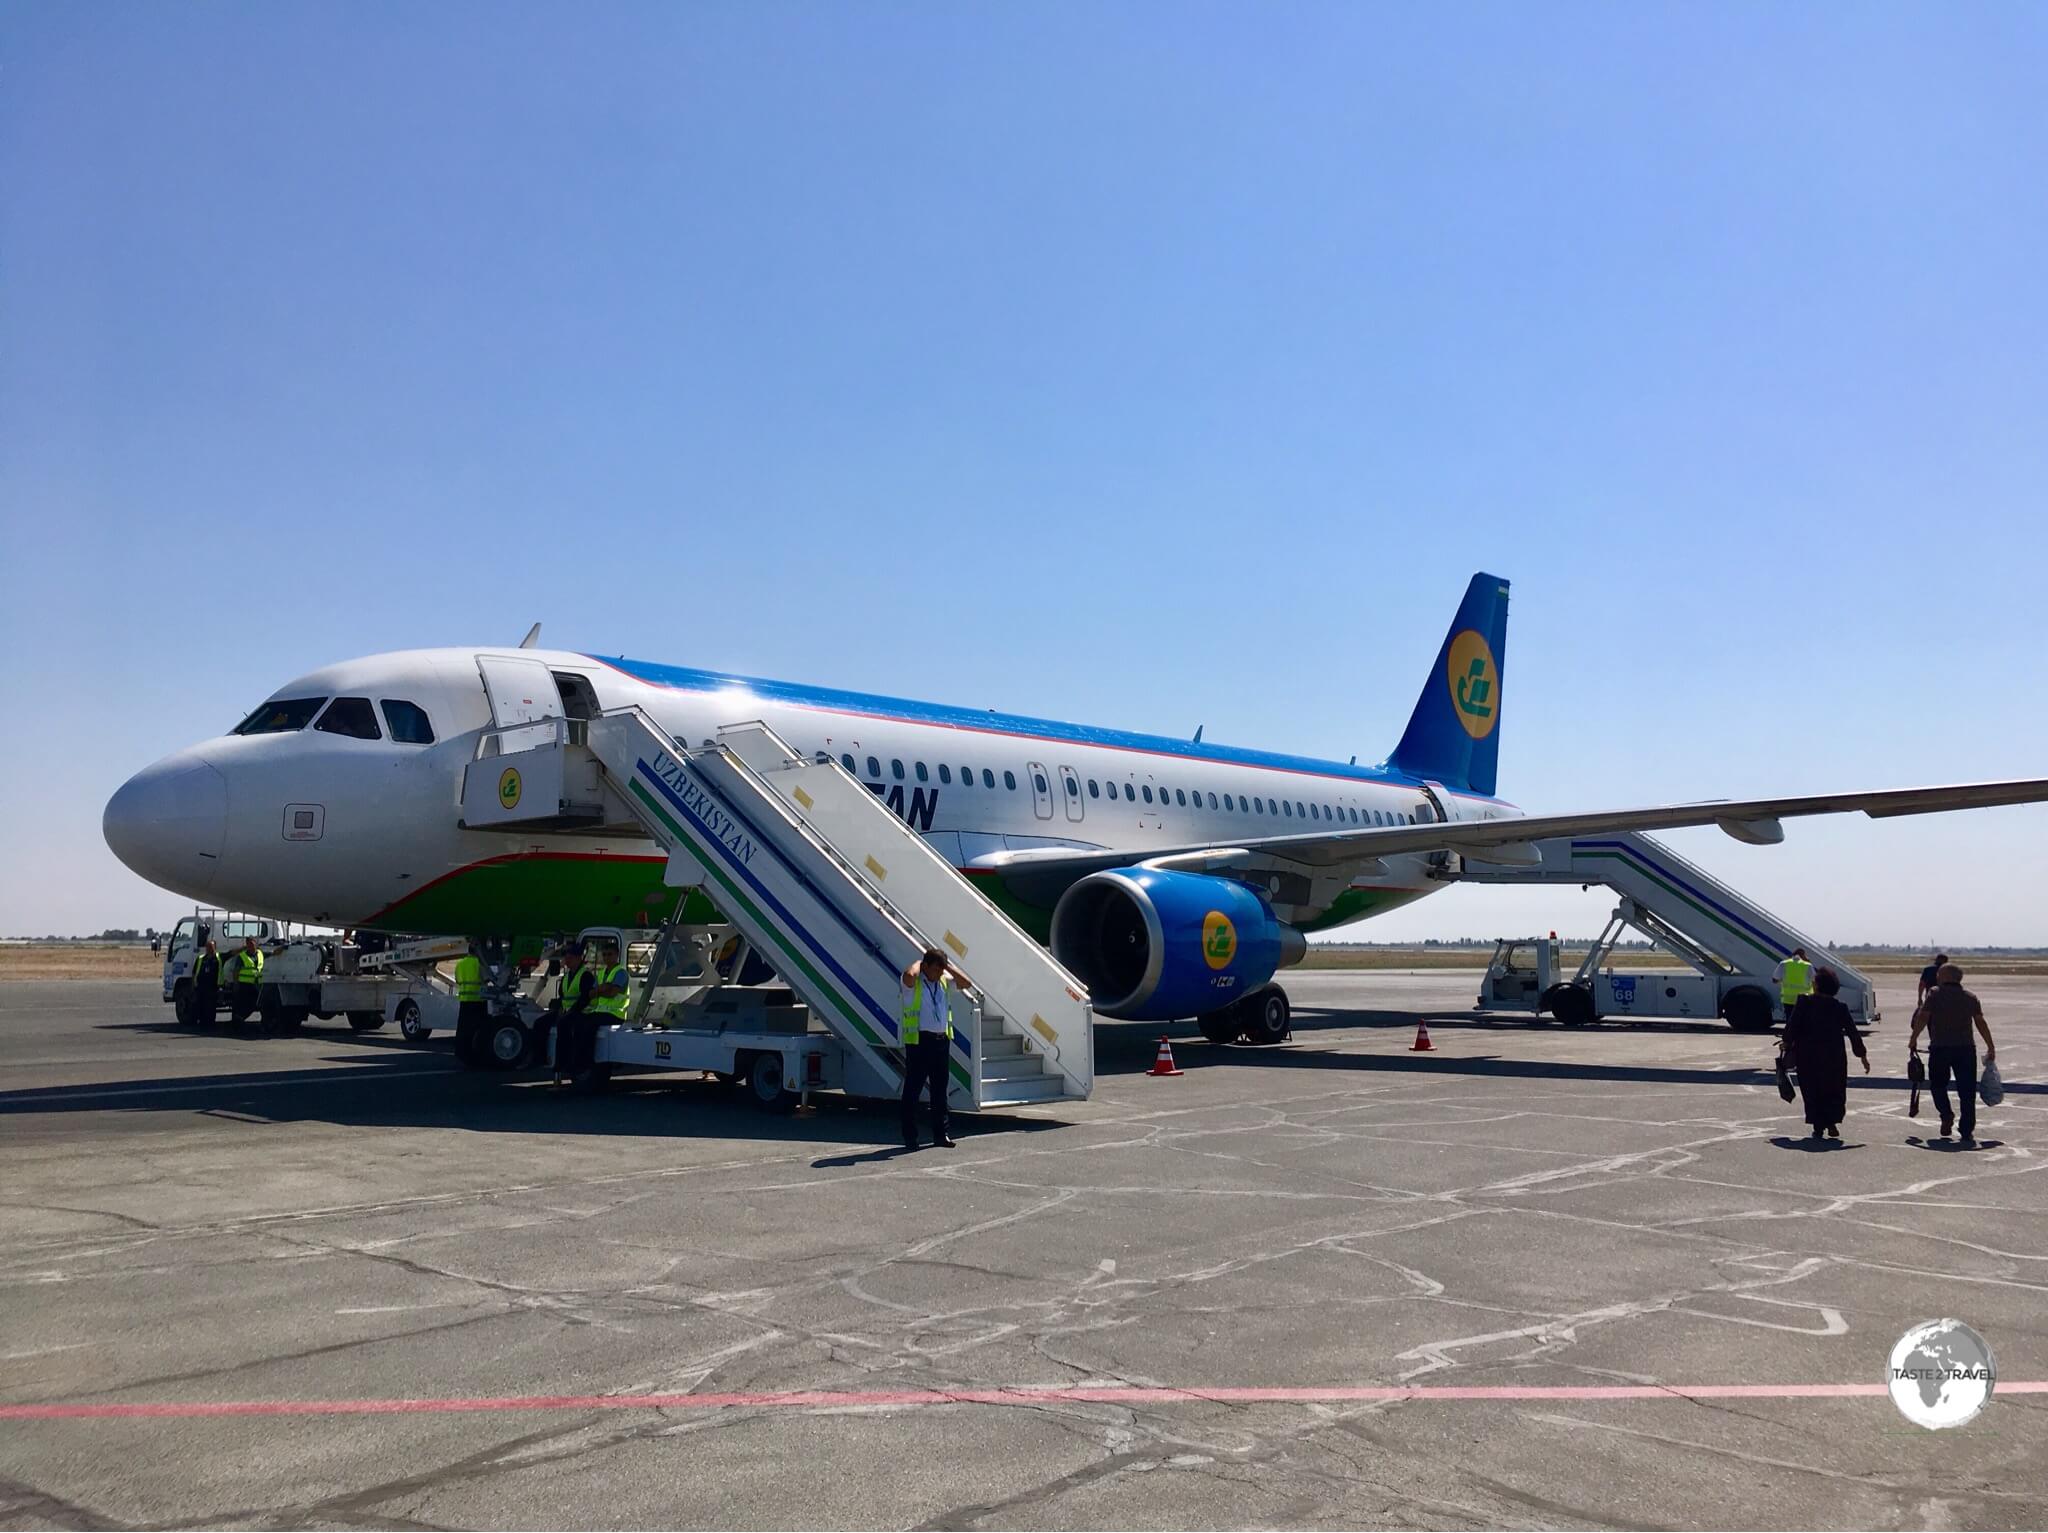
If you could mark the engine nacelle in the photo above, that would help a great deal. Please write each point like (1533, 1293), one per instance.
(1151, 945)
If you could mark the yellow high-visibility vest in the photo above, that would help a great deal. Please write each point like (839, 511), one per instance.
(251, 968)
(1798, 980)
(469, 978)
(613, 1005)
(574, 984)
(910, 1031)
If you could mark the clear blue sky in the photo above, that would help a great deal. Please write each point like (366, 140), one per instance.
(1149, 365)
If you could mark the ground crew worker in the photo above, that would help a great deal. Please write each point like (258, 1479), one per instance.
(204, 996)
(926, 1032)
(606, 990)
(572, 1021)
(1948, 1015)
(1795, 978)
(472, 1017)
(248, 975)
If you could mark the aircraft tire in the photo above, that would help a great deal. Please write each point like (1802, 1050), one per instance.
(1747, 1010)
(764, 1084)
(505, 1044)
(1266, 1016)
(1569, 1004)
(1221, 1026)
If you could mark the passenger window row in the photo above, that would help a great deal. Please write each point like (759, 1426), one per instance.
(1181, 798)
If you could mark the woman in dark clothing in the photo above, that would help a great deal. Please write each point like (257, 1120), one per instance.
(1814, 1035)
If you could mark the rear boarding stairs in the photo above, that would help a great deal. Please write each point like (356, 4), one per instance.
(1717, 930)
(826, 883)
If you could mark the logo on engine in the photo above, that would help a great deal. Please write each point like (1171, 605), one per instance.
(508, 788)
(1219, 940)
(1474, 679)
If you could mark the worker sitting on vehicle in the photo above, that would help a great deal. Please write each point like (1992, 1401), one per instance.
(614, 984)
(575, 1032)
(248, 976)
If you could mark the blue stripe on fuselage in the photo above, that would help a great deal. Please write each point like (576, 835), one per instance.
(940, 715)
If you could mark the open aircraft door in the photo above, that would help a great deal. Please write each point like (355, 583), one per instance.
(522, 693)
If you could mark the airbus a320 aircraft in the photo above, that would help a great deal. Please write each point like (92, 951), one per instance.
(338, 801)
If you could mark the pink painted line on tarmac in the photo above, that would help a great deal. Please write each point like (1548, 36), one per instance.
(1087, 1394)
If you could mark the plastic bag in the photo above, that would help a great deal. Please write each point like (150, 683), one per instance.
(1990, 1084)
(1786, 1089)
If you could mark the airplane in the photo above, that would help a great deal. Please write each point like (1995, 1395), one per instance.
(337, 802)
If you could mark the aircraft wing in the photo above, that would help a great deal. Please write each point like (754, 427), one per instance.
(1049, 869)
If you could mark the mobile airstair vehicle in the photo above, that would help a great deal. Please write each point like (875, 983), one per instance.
(823, 882)
(1730, 945)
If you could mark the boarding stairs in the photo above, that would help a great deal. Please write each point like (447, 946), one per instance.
(1704, 920)
(823, 880)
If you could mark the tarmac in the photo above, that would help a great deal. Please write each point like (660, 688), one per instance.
(1536, 1277)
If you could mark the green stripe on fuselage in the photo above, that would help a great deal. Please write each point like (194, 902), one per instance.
(542, 892)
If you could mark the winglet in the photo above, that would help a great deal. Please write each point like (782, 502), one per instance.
(532, 637)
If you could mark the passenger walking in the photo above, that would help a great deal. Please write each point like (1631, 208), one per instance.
(204, 996)
(1814, 1035)
(1927, 979)
(1948, 1015)
(472, 1017)
(248, 976)
(1795, 978)
(926, 1032)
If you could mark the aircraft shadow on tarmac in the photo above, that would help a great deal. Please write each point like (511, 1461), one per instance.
(371, 1082)
(1129, 1048)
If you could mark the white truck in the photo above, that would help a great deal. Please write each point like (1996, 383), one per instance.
(1525, 974)
(312, 974)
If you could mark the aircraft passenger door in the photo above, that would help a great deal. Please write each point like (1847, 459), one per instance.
(1041, 790)
(1070, 787)
(524, 701)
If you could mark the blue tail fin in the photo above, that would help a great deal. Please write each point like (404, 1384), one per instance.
(1453, 736)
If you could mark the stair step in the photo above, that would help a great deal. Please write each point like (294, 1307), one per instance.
(1041, 1088)
(1001, 1045)
(1019, 1067)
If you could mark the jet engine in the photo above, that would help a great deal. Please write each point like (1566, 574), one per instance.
(1153, 944)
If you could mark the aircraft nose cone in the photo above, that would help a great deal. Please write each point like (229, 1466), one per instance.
(168, 821)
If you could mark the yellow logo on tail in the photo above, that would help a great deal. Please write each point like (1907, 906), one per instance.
(1219, 940)
(1474, 681)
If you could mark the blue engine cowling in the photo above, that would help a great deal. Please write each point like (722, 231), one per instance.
(1152, 945)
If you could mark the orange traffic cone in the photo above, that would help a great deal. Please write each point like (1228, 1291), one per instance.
(1422, 1045)
(1164, 1064)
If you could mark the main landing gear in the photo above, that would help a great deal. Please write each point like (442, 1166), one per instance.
(1263, 1017)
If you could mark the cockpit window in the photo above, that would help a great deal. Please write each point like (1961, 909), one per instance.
(281, 717)
(350, 716)
(407, 722)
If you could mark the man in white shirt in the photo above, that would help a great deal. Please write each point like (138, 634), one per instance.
(926, 1032)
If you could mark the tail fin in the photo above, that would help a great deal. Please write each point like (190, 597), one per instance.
(1453, 737)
